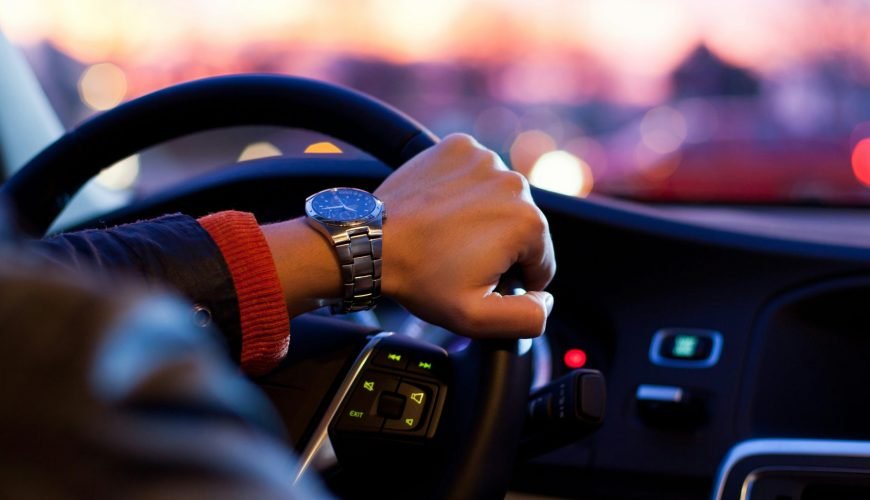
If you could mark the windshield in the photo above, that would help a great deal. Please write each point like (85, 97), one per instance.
(665, 100)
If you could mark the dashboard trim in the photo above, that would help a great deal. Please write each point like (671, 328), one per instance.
(801, 447)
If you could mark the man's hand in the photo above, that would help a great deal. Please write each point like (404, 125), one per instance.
(457, 220)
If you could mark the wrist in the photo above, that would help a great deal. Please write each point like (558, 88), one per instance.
(307, 266)
(391, 267)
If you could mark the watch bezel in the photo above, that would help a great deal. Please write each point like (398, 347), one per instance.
(376, 213)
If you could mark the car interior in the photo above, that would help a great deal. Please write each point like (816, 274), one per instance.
(697, 349)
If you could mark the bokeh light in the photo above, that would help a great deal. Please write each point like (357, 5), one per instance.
(861, 161)
(663, 129)
(121, 175)
(323, 147)
(102, 86)
(591, 151)
(662, 99)
(528, 147)
(561, 172)
(257, 150)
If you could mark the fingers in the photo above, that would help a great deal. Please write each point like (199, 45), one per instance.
(509, 316)
(459, 219)
(537, 261)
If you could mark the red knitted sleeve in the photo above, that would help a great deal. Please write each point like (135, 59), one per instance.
(265, 323)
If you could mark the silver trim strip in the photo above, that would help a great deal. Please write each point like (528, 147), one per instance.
(321, 432)
(665, 393)
(818, 447)
(762, 472)
(658, 339)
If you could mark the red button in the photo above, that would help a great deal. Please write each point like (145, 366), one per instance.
(575, 358)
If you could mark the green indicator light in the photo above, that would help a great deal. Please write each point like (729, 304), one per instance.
(410, 422)
(425, 365)
(369, 385)
(394, 357)
(356, 414)
(685, 346)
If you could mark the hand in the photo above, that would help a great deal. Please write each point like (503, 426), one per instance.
(457, 220)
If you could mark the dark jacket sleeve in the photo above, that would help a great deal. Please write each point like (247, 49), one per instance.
(172, 251)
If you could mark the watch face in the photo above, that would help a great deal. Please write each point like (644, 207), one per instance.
(343, 204)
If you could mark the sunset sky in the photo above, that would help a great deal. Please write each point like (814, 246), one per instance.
(635, 43)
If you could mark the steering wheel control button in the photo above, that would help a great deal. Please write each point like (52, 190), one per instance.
(416, 406)
(391, 358)
(426, 364)
(685, 348)
(391, 405)
(361, 413)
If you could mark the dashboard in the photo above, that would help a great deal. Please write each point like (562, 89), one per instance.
(711, 325)
(786, 301)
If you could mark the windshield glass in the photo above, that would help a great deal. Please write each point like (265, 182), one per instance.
(661, 100)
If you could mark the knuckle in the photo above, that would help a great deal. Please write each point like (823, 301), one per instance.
(490, 160)
(534, 220)
(512, 182)
(459, 142)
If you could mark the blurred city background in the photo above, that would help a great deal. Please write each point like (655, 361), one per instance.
(759, 101)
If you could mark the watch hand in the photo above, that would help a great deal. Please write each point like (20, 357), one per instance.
(333, 207)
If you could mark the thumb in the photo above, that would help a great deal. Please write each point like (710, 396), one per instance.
(512, 316)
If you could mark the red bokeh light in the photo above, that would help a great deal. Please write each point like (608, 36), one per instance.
(861, 161)
(575, 358)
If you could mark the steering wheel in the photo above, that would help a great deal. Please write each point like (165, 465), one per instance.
(481, 394)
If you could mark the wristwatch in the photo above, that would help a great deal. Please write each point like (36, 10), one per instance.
(352, 220)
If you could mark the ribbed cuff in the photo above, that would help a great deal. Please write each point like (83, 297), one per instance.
(265, 323)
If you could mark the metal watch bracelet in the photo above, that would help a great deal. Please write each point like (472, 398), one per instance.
(359, 256)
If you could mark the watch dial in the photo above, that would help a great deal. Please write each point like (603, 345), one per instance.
(343, 204)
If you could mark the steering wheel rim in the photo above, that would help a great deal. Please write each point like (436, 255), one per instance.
(40, 190)
(496, 372)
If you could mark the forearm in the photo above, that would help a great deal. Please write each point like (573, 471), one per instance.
(223, 263)
(172, 252)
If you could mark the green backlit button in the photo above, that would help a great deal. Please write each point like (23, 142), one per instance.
(417, 397)
(430, 364)
(360, 413)
(359, 417)
(422, 365)
(686, 347)
(391, 358)
(412, 417)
